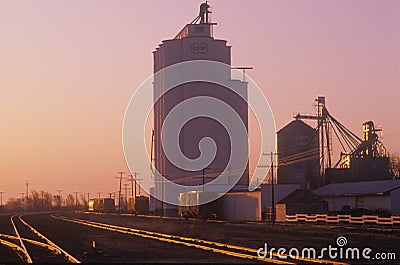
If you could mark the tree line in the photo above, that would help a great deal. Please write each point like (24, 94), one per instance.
(42, 200)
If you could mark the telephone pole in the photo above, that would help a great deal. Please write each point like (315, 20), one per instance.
(272, 189)
(126, 194)
(140, 187)
(76, 198)
(1, 199)
(22, 199)
(42, 193)
(134, 179)
(273, 212)
(27, 184)
(126, 189)
(120, 187)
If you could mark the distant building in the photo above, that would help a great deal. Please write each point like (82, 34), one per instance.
(298, 155)
(370, 195)
(300, 201)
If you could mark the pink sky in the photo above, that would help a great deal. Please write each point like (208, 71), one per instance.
(69, 68)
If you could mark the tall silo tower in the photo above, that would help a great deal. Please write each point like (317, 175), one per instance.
(298, 155)
(195, 42)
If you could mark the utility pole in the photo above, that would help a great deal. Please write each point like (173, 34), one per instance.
(27, 194)
(273, 212)
(120, 187)
(88, 196)
(126, 194)
(203, 177)
(42, 193)
(272, 189)
(126, 189)
(22, 199)
(140, 187)
(59, 196)
(134, 179)
(76, 198)
(1, 199)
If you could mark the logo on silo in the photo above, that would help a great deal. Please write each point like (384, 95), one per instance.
(199, 47)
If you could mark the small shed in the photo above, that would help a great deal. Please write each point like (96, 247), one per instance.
(300, 201)
(280, 192)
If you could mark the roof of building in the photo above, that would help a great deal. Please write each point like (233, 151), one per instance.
(297, 124)
(301, 196)
(358, 188)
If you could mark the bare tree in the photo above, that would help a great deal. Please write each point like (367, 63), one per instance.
(83, 200)
(47, 200)
(57, 201)
(70, 201)
(34, 201)
(14, 204)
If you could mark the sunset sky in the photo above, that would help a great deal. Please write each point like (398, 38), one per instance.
(69, 68)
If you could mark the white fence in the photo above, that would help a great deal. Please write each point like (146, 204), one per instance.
(336, 219)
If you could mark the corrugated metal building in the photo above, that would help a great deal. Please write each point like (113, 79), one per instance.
(370, 195)
(298, 155)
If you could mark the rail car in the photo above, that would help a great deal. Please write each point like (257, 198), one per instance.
(191, 205)
(101, 205)
(139, 205)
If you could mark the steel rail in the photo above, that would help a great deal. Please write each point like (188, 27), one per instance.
(33, 242)
(20, 251)
(70, 258)
(189, 240)
(28, 257)
(173, 239)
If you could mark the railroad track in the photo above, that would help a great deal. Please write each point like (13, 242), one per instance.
(216, 247)
(31, 245)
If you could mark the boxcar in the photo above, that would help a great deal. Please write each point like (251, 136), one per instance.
(101, 205)
(191, 204)
(140, 205)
